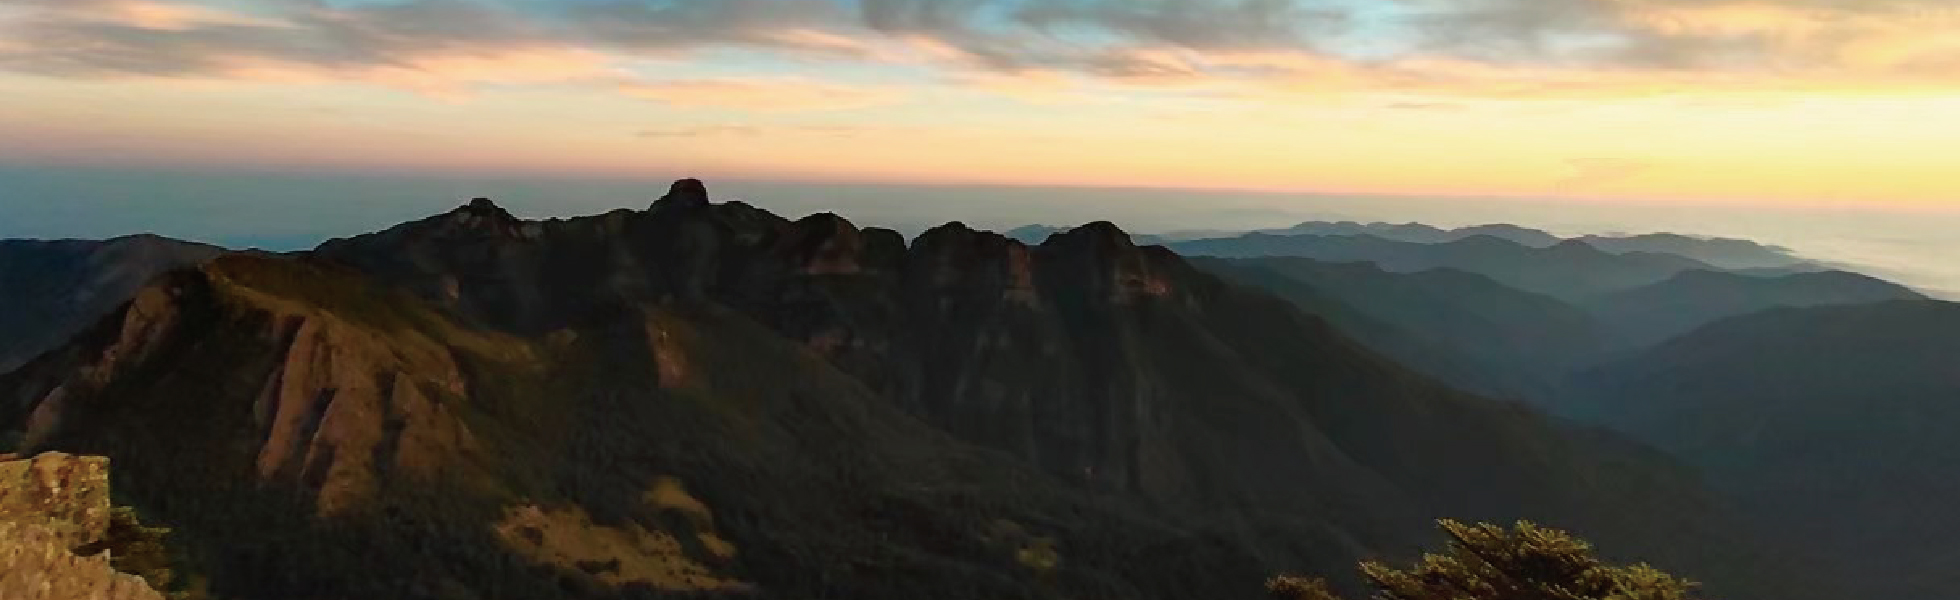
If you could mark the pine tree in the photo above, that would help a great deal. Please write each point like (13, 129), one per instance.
(1490, 562)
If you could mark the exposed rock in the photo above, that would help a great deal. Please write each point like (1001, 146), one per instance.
(68, 494)
(49, 506)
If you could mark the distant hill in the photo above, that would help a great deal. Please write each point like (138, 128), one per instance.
(50, 290)
(1836, 424)
(1568, 270)
(1420, 233)
(1654, 313)
(1726, 253)
(1462, 327)
(709, 399)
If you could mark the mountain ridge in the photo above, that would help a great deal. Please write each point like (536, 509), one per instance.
(1088, 388)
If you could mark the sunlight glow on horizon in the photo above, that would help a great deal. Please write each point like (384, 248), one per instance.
(795, 89)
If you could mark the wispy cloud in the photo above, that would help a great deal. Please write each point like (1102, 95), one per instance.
(787, 94)
(1505, 48)
(747, 131)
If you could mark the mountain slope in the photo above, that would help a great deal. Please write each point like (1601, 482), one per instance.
(1650, 314)
(1833, 422)
(709, 397)
(1464, 328)
(1567, 270)
(377, 449)
(52, 289)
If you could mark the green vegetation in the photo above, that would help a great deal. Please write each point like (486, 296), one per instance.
(1489, 562)
(134, 548)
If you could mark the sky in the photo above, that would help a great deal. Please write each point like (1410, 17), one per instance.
(1825, 125)
(1777, 102)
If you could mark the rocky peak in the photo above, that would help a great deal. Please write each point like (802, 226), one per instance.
(825, 243)
(953, 253)
(1102, 253)
(684, 194)
(1100, 236)
(481, 216)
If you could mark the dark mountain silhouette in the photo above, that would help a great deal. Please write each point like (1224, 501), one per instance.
(1568, 270)
(53, 289)
(1726, 253)
(1652, 314)
(1836, 424)
(1034, 235)
(706, 397)
(1464, 328)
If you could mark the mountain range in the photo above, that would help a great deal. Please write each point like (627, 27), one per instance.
(1569, 270)
(1724, 253)
(709, 399)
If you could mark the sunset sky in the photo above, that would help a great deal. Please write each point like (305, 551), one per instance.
(1838, 102)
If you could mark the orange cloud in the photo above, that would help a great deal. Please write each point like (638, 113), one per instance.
(450, 76)
(777, 94)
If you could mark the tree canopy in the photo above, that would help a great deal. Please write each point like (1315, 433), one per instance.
(1491, 562)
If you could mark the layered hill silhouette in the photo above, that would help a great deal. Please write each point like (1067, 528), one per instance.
(1464, 328)
(1727, 253)
(710, 399)
(1569, 270)
(1835, 423)
(1420, 233)
(1651, 314)
(56, 288)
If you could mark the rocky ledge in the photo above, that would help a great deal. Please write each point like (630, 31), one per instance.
(49, 506)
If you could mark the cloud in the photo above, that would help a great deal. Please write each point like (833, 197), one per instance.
(1502, 48)
(746, 131)
(80, 40)
(702, 131)
(1741, 36)
(785, 94)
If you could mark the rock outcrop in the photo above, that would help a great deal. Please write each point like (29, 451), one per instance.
(50, 506)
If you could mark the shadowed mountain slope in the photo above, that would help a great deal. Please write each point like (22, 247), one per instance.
(1461, 327)
(1833, 423)
(53, 289)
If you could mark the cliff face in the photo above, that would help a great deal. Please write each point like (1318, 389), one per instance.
(339, 392)
(51, 506)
